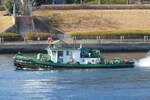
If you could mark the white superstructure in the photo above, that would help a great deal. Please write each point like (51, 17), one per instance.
(71, 55)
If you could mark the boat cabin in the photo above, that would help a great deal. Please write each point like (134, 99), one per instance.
(74, 55)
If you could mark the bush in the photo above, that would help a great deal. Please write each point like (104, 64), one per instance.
(96, 1)
(10, 36)
(113, 1)
(35, 36)
(129, 34)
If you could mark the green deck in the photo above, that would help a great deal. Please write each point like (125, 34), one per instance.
(29, 62)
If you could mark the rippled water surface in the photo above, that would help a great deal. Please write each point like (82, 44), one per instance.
(93, 84)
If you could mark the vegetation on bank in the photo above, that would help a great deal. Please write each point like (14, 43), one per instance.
(105, 1)
(93, 20)
(39, 2)
(116, 34)
(129, 34)
(9, 36)
(27, 36)
(37, 36)
(5, 23)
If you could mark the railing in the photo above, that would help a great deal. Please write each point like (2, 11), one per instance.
(107, 41)
(69, 40)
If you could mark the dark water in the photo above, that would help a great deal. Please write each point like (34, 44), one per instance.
(93, 84)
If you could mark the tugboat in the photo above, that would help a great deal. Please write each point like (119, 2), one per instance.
(69, 58)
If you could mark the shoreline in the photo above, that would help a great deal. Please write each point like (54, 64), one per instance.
(107, 47)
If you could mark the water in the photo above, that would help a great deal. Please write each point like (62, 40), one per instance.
(93, 84)
(144, 62)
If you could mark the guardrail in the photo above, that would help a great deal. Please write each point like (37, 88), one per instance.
(82, 41)
(100, 6)
(107, 41)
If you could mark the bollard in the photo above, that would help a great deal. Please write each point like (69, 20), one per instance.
(145, 38)
(121, 38)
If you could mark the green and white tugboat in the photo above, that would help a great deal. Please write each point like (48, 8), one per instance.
(69, 58)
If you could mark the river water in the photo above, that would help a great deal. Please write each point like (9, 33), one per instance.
(92, 84)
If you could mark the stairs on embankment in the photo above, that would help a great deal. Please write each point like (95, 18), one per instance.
(28, 24)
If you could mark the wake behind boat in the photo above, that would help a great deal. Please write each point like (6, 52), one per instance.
(68, 58)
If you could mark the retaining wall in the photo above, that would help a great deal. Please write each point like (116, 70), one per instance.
(101, 6)
(111, 47)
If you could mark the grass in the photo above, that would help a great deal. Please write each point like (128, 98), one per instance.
(2, 13)
(34, 36)
(5, 22)
(93, 20)
(106, 2)
(111, 34)
(10, 36)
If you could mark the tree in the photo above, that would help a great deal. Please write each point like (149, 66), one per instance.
(9, 6)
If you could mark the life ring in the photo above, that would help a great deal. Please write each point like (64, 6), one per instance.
(50, 40)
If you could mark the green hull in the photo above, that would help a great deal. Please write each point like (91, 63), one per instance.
(28, 63)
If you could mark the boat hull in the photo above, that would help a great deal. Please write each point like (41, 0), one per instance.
(22, 63)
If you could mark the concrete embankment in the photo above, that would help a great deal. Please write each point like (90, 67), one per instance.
(26, 48)
(111, 47)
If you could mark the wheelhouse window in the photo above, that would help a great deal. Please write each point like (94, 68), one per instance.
(67, 53)
(53, 52)
(60, 53)
(89, 53)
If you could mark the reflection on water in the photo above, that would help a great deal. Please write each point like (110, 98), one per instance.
(92, 84)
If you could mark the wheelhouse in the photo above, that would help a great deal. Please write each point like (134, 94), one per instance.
(74, 55)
